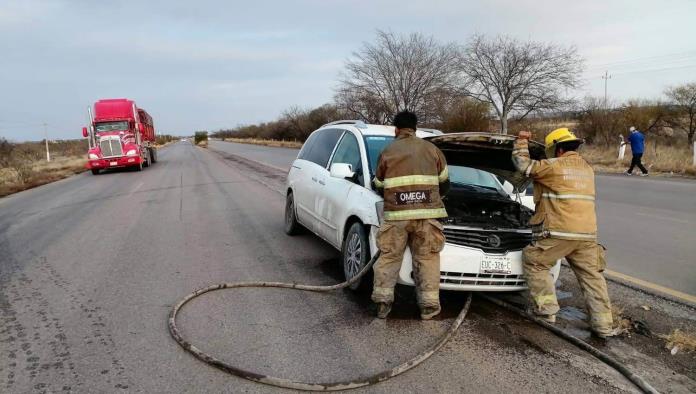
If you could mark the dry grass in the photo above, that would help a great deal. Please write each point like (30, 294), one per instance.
(265, 142)
(680, 340)
(202, 144)
(36, 173)
(658, 159)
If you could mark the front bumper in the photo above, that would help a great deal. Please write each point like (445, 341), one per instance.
(113, 162)
(460, 269)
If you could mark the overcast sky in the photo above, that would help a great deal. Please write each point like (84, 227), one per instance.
(205, 65)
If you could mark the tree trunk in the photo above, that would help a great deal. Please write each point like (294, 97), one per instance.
(503, 124)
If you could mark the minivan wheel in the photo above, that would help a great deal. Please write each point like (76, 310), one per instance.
(292, 226)
(356, 254)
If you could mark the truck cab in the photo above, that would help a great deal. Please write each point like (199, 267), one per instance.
(120, 135)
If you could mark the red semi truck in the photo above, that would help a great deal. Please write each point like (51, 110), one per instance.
(120, 135)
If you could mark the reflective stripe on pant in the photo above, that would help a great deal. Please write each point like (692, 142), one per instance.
(425, 239)
(586, 258)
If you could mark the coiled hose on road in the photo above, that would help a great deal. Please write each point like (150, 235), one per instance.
(375, 378)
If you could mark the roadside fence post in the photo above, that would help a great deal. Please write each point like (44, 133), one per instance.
(694, 150)
(622, 148)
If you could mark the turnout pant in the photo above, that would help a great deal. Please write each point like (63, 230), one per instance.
(587, 259)
(425, 239)
(636, 161)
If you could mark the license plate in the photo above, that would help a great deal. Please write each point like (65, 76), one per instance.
(113, 163)
(496, 265)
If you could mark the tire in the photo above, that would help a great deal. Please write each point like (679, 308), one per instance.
(355, 254)
(153, 155)
(139, 167)
(292, 226)
(95, 171)
(148, 158)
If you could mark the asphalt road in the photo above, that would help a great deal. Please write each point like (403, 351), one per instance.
(90, 267)
(647, 224)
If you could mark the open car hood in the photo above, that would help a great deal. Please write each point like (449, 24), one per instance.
(486, 151)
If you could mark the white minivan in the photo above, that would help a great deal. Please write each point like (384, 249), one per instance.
(329, 192)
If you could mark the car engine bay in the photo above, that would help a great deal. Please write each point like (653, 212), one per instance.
(487, 211)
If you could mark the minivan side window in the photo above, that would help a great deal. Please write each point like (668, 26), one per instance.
(348, 151)
(307, 147)
(322, 144)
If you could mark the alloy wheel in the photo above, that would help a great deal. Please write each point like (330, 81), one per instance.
(353, 256)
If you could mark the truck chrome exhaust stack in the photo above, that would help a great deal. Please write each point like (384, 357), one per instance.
(137, 122)
(92, 137)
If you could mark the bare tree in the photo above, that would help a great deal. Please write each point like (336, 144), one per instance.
(518, 78)
(396, 73)
(684, 97)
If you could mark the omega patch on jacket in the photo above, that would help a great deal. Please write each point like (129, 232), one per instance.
(412, 197)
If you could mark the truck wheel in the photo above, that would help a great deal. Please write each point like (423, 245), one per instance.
(139, 167)
(153, 155)
(292, 226)
(147, 158)
(355, 255)
(95, 171)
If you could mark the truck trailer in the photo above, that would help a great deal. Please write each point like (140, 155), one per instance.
(120, 135)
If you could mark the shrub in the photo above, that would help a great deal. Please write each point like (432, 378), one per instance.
(200, 136)
(165, 138)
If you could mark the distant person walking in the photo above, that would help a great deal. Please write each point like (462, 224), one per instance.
(637, 140)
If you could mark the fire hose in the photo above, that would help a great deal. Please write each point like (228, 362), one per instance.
(377, 377)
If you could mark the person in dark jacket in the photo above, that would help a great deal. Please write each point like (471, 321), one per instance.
(637, 140)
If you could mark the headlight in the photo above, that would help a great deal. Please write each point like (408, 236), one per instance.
(379, 206)
(130, 152)
(92, 156)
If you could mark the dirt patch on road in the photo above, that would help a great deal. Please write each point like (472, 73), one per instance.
(646, 323)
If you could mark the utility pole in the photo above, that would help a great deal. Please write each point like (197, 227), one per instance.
(606, 78)
(48, 154)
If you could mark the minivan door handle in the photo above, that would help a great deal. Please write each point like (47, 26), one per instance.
(322, 183)
(314, 179)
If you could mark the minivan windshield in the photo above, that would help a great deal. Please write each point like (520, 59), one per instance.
(111, 126)
(460, 177)
(375, 145)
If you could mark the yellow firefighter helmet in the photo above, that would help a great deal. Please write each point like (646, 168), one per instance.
(557, 136)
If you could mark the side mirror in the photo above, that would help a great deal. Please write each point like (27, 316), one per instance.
(341, 170)
(84, 132)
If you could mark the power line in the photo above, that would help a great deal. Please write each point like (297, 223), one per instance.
(643, 59)
(667, 63)
(648, 70)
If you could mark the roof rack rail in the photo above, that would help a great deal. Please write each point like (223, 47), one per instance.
(357, 123)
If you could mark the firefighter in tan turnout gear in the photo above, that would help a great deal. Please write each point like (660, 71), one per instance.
(564, 225)
(412, 176)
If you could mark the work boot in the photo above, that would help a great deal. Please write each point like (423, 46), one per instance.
(383, 310)
(428, 312)
(602, 333)
(551, 319)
